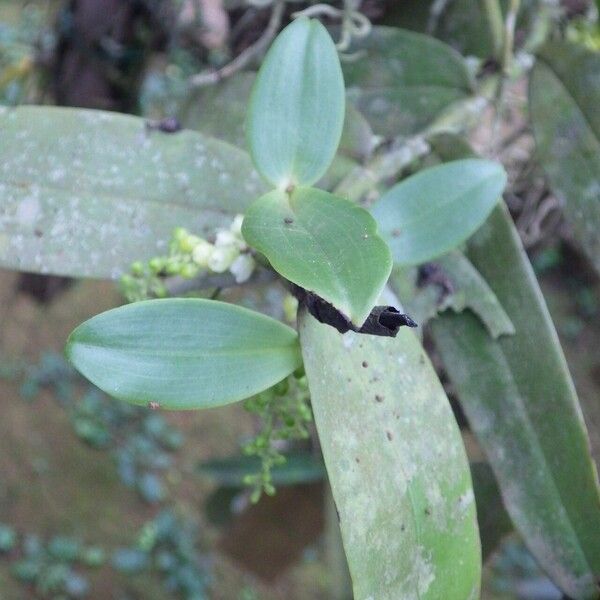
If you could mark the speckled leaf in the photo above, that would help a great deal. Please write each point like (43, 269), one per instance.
(564, 96)
(85, 193)
(183, 353)
(521, 403)
(397, 467)
(324, 244)
(296, 111)
(403, 80)
(453, 283)
(432, 212)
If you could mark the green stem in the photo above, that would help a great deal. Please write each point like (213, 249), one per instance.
(509, 35)
(388, 163)
(493, 15)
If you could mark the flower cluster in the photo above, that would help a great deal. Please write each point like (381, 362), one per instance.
(285, 413)
(191, 256)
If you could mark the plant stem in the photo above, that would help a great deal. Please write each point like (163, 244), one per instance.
(509, 35)
(244, 58)
(385, 165)
(177, 286)
(493, 15)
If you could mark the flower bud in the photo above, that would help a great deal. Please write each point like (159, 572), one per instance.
(242, 267)
(189, 243)
(202, 253)
(225, 238)
(222, 258)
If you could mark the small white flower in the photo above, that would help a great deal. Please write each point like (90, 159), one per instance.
(202, 253)
(225, 238)
(242, 267)
(222, 258)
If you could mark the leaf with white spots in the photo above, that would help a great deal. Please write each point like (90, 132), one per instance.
(398, 470)
(521, 403)
(85, 193)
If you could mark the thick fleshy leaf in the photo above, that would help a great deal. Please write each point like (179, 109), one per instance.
(183, 353)
(403, 80)
(451, 282)
(521, 403)
(437, 209)
(299, 467)
(564, 95)
(85, 193)
(396, 464)
(324, 244)
(463, 24)
(296, 111)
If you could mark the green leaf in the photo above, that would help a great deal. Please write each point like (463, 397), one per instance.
(296, 111)
(437, 209)
(85, 193)
(564, 96)
(464, 24)
(358, 140)
(324, 244)
(183, 353)
(220, 111)
(403, 80)
(299, 467)
(455, 283)
(396, 464)
(521, 403)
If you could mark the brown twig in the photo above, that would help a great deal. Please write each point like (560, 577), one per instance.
(243, 59)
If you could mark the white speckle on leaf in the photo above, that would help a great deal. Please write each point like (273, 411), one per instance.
(465, 500)
(348, 339)
(28, 210)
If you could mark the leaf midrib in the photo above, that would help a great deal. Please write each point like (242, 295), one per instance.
(182, 354)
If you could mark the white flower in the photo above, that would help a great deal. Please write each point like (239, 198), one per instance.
(222, 258)
(242, 267)
(202, 253)
(225, 238)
